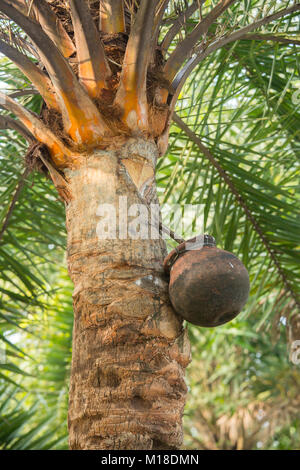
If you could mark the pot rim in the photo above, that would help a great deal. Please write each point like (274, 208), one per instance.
(195, 243)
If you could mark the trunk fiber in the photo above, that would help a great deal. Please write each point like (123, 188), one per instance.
(127, 388)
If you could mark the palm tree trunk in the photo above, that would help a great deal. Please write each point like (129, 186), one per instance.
(127, 388)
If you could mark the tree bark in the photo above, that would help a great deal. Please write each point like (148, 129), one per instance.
(127, 388)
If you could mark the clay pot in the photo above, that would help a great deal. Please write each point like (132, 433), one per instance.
(208, 286)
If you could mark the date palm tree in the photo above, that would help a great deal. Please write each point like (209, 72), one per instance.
(110, 74)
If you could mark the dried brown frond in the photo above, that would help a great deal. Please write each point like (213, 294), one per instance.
(62, 10)
(32, 158)
(115, 46)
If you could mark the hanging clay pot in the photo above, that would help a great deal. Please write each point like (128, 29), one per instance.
(208, 286)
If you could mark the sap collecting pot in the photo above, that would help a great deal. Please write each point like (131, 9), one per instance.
(208, 286)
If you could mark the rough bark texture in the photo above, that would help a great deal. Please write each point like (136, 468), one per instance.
(130, 350)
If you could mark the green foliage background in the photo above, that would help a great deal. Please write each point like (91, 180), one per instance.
(243, 389)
